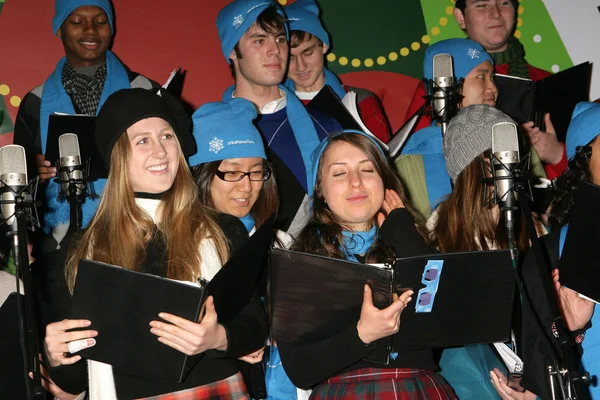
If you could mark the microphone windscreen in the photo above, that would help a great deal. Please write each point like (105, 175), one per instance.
(68, 145)
(13, 172)
(442, 66)
(504, 138)
(13, 165)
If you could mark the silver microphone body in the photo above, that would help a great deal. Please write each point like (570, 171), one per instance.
(70, 165)
(13, 178)
(442, 89)
(505, 148)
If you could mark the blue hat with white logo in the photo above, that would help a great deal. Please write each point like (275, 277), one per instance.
(63, 8)
(466, 55)
(237, 17)
(303, 15)
(225, 130)
(584, 127)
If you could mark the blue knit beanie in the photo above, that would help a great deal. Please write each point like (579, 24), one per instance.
(584, 126)
(62, 9)
(303, 15)
(466, 55)
(225, 130)
(237, 17)
(318, 153)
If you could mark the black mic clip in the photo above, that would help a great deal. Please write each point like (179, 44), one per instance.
(520, 174)
(83, 186)
(25, 201)
(450, 96)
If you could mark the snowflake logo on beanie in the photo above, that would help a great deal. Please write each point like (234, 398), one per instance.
(473, 53)
(215, 145)
(238, 21)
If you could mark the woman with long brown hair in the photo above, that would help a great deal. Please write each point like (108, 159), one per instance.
(358, 215)
(150, 220)
(468, 220)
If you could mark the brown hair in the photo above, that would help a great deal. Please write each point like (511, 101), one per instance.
(323, 233)
(120, 230)
(465, 223)
(298, 37)
(266, 204)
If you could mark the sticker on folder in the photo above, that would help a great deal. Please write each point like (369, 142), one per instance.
(431, 279)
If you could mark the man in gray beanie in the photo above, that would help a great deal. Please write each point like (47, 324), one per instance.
(469, 134)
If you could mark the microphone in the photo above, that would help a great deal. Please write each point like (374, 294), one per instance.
(505, 162)
(72, 177)
(505, 150)
(444, 102)
(13, 180)
(70, 167)
(16, 203)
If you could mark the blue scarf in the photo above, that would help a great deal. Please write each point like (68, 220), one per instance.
(358, 242)
(330, 79)
(302, 127)
(248, 222)
(427, 143)
(56, 99)
(591, 345)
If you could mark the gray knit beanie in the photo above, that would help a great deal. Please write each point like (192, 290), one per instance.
(468, 135)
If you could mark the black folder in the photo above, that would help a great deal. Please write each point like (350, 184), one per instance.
(473, 303)
(316, 297)
(83, 126)
(579, 260)
(121, 303)
(327, 101)
(526, 100)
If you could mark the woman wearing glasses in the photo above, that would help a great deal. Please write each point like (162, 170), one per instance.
(358, 215)
(234, 177)
(230, 167)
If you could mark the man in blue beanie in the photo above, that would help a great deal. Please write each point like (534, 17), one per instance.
(80, 83)
(307, 74)
(253, 38)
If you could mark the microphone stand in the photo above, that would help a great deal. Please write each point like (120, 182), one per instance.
(566, 351)
(75, 202)
(23, 201)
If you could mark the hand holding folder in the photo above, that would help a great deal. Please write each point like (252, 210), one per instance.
(121, 303)
(468, 300)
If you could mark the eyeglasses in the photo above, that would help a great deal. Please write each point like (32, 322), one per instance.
(236, 176)
(431, 279)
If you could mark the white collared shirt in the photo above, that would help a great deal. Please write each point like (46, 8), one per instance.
(307, 95)
(273, 106)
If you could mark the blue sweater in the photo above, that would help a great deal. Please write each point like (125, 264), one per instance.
(277, 133)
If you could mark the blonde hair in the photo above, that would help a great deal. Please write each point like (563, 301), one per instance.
(120, 230)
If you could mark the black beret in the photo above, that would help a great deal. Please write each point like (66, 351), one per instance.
(125, 107)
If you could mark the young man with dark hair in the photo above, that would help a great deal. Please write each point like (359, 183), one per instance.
(307, 74)
(491, 23)
(253, 38)
(80, 83)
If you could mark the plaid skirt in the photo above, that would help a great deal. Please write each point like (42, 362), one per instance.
(385, 384)
(232, 388)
